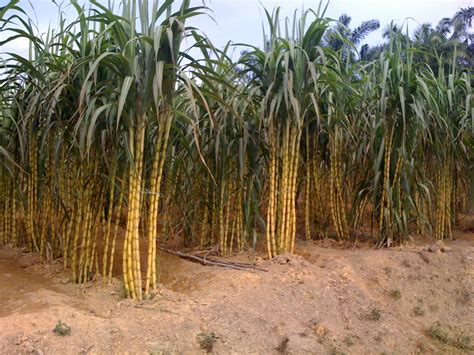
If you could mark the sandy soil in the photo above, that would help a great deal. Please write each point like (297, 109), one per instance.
(331, 298)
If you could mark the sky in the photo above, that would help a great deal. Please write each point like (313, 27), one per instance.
(240, 21)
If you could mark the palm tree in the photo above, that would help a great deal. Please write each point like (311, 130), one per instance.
(461, 22)
(341, 37)
(449, 34)
(459, 26)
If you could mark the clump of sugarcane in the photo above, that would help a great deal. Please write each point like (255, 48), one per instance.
(394, 207)
(281, 214)
(314, 185)
(222, 190)
(107, 220)
(226, 211)
(319, 188)
(81, 222)
(131, 246)
(307, 187)
(284, 143)
(443, 203)
(286, 228)
(361, 199)
(48, 241)
(287, 76)
(11, 233)
(88, 252)
(10, 178)
(3, 215)
(272, 199)
(441, 105)
(153, 100)
(6, 225)
(395, 125)
(338, 205)
(115, 188)
(386, 202)
(32, 199)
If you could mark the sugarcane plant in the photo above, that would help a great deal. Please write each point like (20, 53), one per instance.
(126, 128)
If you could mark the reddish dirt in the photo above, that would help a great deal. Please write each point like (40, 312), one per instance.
(330, 298)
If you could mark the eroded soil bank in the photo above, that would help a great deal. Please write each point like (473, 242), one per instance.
(329, 298)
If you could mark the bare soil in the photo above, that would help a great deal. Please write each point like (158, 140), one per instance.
(330, 298)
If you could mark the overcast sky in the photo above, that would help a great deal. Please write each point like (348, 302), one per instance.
(241, 20)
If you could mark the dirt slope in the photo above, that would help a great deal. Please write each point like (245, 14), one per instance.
(326, 300)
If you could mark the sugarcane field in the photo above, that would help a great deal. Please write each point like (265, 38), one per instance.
(236, 177)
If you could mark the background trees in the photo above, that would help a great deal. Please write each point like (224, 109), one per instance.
(341, 37)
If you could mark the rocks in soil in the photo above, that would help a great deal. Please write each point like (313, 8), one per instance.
(320, 331)
(62, 280)
(29, 345)
(438, 247)
(444, 248)
(290, 259)
(434, 249)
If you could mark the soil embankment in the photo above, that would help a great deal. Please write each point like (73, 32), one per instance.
(328, 299)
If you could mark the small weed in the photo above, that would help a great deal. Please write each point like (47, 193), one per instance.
(387, 270)
(439, 334)
(207, 341)
(282, 348)
(348, 341)
(303, 334)
(422, 347)
(395, 294)
(336, 351)
(463, 342)
(160, 352)
(463, 296)
(150, 296)
(406, 263)
(419, 311)
(375, 314)
(62, 329)
(123, 290)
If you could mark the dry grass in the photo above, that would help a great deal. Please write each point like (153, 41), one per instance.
(375, 314)
(395, 294)
(442, 335)
(207, 341)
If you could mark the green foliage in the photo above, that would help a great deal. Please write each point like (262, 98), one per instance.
(62, 329)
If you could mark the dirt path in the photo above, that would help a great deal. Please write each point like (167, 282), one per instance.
(325, 300)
